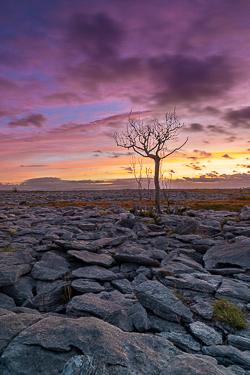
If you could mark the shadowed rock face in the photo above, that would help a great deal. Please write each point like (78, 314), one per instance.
(235, 255)
(99, 291)
(54, 340)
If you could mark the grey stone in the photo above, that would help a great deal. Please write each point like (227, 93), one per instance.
(123, 285)
(103, 260)
(94, 272)
(135, 255)
(228, 355)
(50, 296)
(233, 290)
(50, 268)
(188, 226)
(6, 302)
(183, 341)
(159, 299)
(12, 325)
(205, 333)
(204, 309)
(85, 365)
(52, 339)
(139, 317)
(21, 290)
(85, 286)
(195, 281)
(242, 343)
(192, 364)
(101, 305)
(234, 255)
(13, 265)
(245, 213)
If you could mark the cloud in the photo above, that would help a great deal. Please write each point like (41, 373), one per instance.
(185, 78)
(216, 180)
(195, 127)
(128, 169)
(238, 117)
(62, 98)
(55, 183)
(97, 36)
(36, 119)
(34, 166)
(193, 166)
(202, 155)
(226, 156)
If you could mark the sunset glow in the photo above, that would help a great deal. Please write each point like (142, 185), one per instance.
(71, 72)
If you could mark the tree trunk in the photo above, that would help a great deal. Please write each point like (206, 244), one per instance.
(157, 185)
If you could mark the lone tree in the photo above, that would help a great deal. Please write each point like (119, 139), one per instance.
(149, 140)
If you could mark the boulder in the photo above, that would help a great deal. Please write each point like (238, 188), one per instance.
(159, 299)
(55, 340)
(13, 265)
(234, 255)
(50, 268)
(192, 364)
(205, 333)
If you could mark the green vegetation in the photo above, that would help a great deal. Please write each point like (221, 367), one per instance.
(11, 232)
(8, 249)
(66, 290)
(229, 313)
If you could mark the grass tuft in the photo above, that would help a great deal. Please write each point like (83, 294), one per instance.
(229, 313)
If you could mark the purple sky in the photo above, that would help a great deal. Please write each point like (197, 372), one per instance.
(71, 71)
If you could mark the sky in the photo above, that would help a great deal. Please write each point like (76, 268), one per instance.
(72, 71)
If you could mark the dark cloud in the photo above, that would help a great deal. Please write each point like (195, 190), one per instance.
(238, 117)
(34, 166)
(243, 165)
(202, 155)
(226, 156)
(214, 179)
(55, 183)
(217, 129)
(193, 166)
(97, 36)
(128, 169)
(195, 127)
(185, 78)
(36, 119)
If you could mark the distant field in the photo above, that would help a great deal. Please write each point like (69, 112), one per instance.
(215, 199)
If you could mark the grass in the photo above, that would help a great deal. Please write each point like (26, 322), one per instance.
(229, 313)
(8, 249)
(235, 203)
(231, 204)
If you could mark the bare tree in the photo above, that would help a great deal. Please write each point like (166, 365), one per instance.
(149, 140)
(138, 177)
(149, 177)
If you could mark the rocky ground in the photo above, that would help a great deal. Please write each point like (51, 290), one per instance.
(102, 291)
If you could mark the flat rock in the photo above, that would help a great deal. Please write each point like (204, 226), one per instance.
(205, 333)
(50, 268)
(233, 290)
(12, 325)
(234, 255)
(52, 341)
(228, 355)
(192, 364)
(85, 286)
(94, 272)
(159, 299)
(183, 341)
(135, 255)
(13, 265)
(103, 260)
